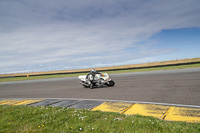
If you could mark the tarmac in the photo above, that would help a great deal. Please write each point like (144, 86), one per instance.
(169, 86)
(169, 112)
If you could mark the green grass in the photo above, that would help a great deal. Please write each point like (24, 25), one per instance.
(39, 77)
(110, 72)
(157, 69)
(30, 119)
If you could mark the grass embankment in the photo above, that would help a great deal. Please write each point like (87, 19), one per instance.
(158, 68)
(171, 62)
(39, 77)
(62, 120)
(110, 72)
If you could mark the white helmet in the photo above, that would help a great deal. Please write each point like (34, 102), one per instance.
(92, 70)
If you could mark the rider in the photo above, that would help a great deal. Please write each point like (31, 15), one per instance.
(92, 72)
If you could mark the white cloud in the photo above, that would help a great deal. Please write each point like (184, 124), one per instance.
(71, 33)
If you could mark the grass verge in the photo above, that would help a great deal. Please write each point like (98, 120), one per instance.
(39, 77)
(158, 68)
(57, 119)
(110, 72)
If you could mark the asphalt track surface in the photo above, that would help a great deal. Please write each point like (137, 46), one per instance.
(169, 86)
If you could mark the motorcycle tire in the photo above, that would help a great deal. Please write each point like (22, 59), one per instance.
(111, 83)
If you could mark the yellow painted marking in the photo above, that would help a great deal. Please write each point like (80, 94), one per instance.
(18, 102)
(2, 102)
(167, 112)
(27, 102)
(127, 109)
(112, 107)
(148, 110)
(183, 114)
(11, 102)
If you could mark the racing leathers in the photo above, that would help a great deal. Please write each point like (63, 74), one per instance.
(93, 75)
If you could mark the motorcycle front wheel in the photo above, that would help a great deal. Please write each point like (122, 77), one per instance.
(111, 83)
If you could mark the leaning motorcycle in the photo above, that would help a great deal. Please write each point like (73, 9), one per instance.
(99, 80)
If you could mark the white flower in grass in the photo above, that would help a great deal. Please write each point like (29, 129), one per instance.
(82, 118)
(118, 119)
(80, 129)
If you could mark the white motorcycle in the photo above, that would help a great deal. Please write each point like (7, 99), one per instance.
(99, 80)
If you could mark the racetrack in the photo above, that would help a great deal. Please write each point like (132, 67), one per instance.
(170, 86)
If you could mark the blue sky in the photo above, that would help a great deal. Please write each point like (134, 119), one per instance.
(48, 35)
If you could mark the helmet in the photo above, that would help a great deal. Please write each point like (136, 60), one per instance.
(92, 70)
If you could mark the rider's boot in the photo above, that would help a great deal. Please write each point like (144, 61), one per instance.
(91, 86)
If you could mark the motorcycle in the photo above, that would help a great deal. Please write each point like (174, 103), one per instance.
(100, 80)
